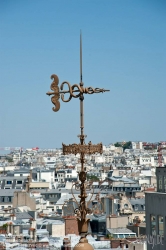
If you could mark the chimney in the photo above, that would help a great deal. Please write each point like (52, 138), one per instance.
(66, 244)
(28, 184)
(2, 246)
(40, 175)
(32, 223)
(10, 228)
(12, 216)
(31, 175)
(121, 244)
(34, 235)
(32, 232)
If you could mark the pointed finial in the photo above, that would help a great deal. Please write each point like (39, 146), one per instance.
(80, 57)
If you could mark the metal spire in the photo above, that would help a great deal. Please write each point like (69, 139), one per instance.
(80, 148)
(80, 57)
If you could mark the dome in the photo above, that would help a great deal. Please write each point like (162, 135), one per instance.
(83, 245)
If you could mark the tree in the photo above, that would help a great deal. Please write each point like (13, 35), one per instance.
(4, 226)
(9, 159)
(117, 144)
(127, 145)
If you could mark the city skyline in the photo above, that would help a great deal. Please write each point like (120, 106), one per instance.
(123, 50)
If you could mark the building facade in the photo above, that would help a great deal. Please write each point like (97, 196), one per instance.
(155, 204)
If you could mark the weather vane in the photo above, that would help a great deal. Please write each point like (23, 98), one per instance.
(78, 91)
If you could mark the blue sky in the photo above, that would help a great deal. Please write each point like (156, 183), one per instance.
(124, 50)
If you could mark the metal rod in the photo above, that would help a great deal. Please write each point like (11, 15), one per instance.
(80, 57)
(96, 91)
(81, 99)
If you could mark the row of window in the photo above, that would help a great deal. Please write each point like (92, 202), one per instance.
(9, 187)
(2, 207)
(53, 195)
(62, 180)
(5, 199)
(135, 207)
(162, 183)
(126, 189)
(10, 182)
(146, 160)
(157, 220)
(62, 175)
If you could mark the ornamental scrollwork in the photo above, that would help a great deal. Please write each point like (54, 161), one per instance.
(82, 149)
(56, 94)
(72, 89)
(83, 207)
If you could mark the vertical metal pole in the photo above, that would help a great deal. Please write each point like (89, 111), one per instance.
(82, 174)
(81, 97)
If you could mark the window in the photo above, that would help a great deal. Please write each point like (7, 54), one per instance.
(120, 236)
(143, 207)
(136, 207)
(19, 182)
(153, 224)
(144, 219)
(9, 182)
(161, 225)
(160, 183)
(165, 183)
(43, 226)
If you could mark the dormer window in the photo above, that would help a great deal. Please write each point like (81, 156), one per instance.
(136, 207)
(126, 206)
